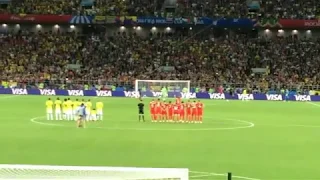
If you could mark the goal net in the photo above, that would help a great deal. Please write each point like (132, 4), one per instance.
(157, 88)
(15, 172)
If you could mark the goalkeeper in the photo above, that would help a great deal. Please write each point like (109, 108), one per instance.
(164, 93)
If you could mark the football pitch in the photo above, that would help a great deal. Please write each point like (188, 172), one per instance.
(255, 140)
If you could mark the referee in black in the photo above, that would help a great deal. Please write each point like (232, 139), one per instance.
(141, 111)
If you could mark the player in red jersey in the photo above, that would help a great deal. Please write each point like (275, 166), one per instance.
(178, 100)
(194, 111)
(163, 111)
(153, 110)
(170, 111)
(158, 109)
(176, 112)
(200, 111)
(188, 111)
(182, 112)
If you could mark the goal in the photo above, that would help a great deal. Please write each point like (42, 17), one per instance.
(15, 172)
(152, 88)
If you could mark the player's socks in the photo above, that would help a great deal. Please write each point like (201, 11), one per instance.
(51, 116)
(58, 116)
(48, 116)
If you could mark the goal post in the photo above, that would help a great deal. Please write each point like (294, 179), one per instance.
(155, 88)
(90, 172)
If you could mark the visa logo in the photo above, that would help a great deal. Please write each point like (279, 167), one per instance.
(75, 92)
(274, 97)
(188, 95)
(245, 96)
(19, 91)
(104, 93)
(302, 97)
(131, 94)
(217, 96)
(156, 94)
(47, 92)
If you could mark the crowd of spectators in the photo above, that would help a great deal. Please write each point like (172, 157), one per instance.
(297, 9)
(122, 58)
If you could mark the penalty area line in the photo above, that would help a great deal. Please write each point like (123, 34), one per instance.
(8, 97)
(314, 104)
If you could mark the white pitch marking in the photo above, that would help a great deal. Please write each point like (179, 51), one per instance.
(249, 125)
(47, 124)
(219, 174)
(7, 97)
(197, 176)
(313, 104)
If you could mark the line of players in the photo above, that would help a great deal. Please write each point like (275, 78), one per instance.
(190, 112)
(66, 109)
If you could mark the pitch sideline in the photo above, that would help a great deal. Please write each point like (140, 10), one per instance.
(249, 125)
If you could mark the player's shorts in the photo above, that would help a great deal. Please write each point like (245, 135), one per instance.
(49, 111)
(141, 112)
(69, 112)
(200, 113)
(152, 111)
(58, 111)
(74, 112)
(99, 112)
(94, 117)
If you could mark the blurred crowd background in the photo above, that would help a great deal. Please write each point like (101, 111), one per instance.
(298, 9)
(209, 57)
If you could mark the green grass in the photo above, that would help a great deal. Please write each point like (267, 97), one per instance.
(283, 144)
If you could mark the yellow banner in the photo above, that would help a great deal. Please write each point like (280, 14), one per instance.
(99, 19)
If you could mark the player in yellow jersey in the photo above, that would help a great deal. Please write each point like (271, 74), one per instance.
(244, 93)
(64, 109)
(88, 110)
(83, 102)
(75, 106)
(69, 110)
(94, 114)
(99, 106)
(58, 104)
(49, 105)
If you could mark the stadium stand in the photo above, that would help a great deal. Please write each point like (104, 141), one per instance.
(123, 58)
(296, 9)
(119, 59)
